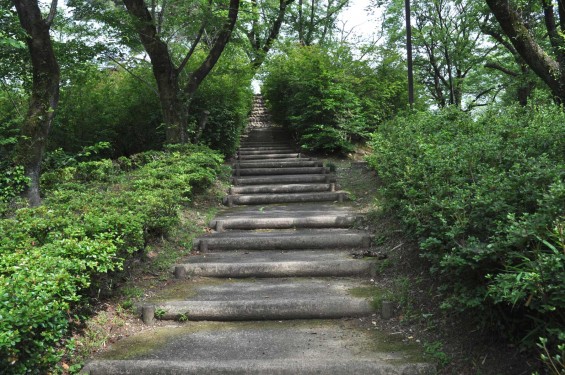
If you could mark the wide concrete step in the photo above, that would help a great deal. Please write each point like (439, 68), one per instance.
(277, 160)
(272, 367)
(333, 347)
(263, 299)
(242, 269)
(338, 196)
(275, 155)
(292, 163)
(279, 171)
(248, 144)
(266, 148)
(284, 179)
(278, 189)
(263, 150)
(305, 221)
(284, 240)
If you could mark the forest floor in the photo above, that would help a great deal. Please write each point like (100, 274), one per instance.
(454, 341)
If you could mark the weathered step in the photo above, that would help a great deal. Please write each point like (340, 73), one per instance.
(245, 144)
(238, 264)
(284, 240)
(272, 367)
(332, 347)
(338, 196)
(277, 160)
(269, 150)
(279, 171)
(270, 156)
(284, 179)
(291, 163)
(312, 221)
(278, 189)
(266, 148)
(280, 309)
(264, 299)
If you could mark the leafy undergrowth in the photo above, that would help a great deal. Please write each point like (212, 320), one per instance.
(452, 340)
(99, 221)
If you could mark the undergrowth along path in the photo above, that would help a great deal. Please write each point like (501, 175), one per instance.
(277, 287)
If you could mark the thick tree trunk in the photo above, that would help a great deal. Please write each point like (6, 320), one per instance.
(164, 70)
(174, 101)
(44, 95)
(545, 67)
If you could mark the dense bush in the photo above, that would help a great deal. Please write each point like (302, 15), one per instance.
(94, 217)
(108, 106)
(328, 99)
(486, 197)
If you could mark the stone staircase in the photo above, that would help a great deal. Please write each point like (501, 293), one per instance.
(274, 288)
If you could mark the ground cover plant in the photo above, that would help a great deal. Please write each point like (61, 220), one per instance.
(485, 196)
(95, 217)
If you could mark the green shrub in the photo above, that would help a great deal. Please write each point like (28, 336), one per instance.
(52, 255)
(485, 197)
(329, 100)
(12, 182)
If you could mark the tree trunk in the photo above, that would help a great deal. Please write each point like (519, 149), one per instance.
(44, 96)
(163, 68)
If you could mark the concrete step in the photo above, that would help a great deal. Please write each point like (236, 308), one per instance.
(263, 299)
(269, 150)
(284, 240)
(281, 155)
(337, 196)
(249, 366)
(251, 223)
(333, 347)
(271, 264)
(284, 179)
(291, 163)
(277, 160)
(279, 171)
(278, 189)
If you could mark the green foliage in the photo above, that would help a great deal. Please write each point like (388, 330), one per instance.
(327, 98)
(12, 182)
(434, 350)
(108, 106)
(51, 256)
(486, 197)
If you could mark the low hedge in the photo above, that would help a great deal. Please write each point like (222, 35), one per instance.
(91, 222)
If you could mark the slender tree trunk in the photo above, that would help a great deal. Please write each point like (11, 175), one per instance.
(44, 96)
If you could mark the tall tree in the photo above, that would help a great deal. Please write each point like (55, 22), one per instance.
(544, 54)
(175, 96)
(44, 93)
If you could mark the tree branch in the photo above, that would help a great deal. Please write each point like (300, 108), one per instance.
(194, 43)
(503, 69)
(52, 13)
